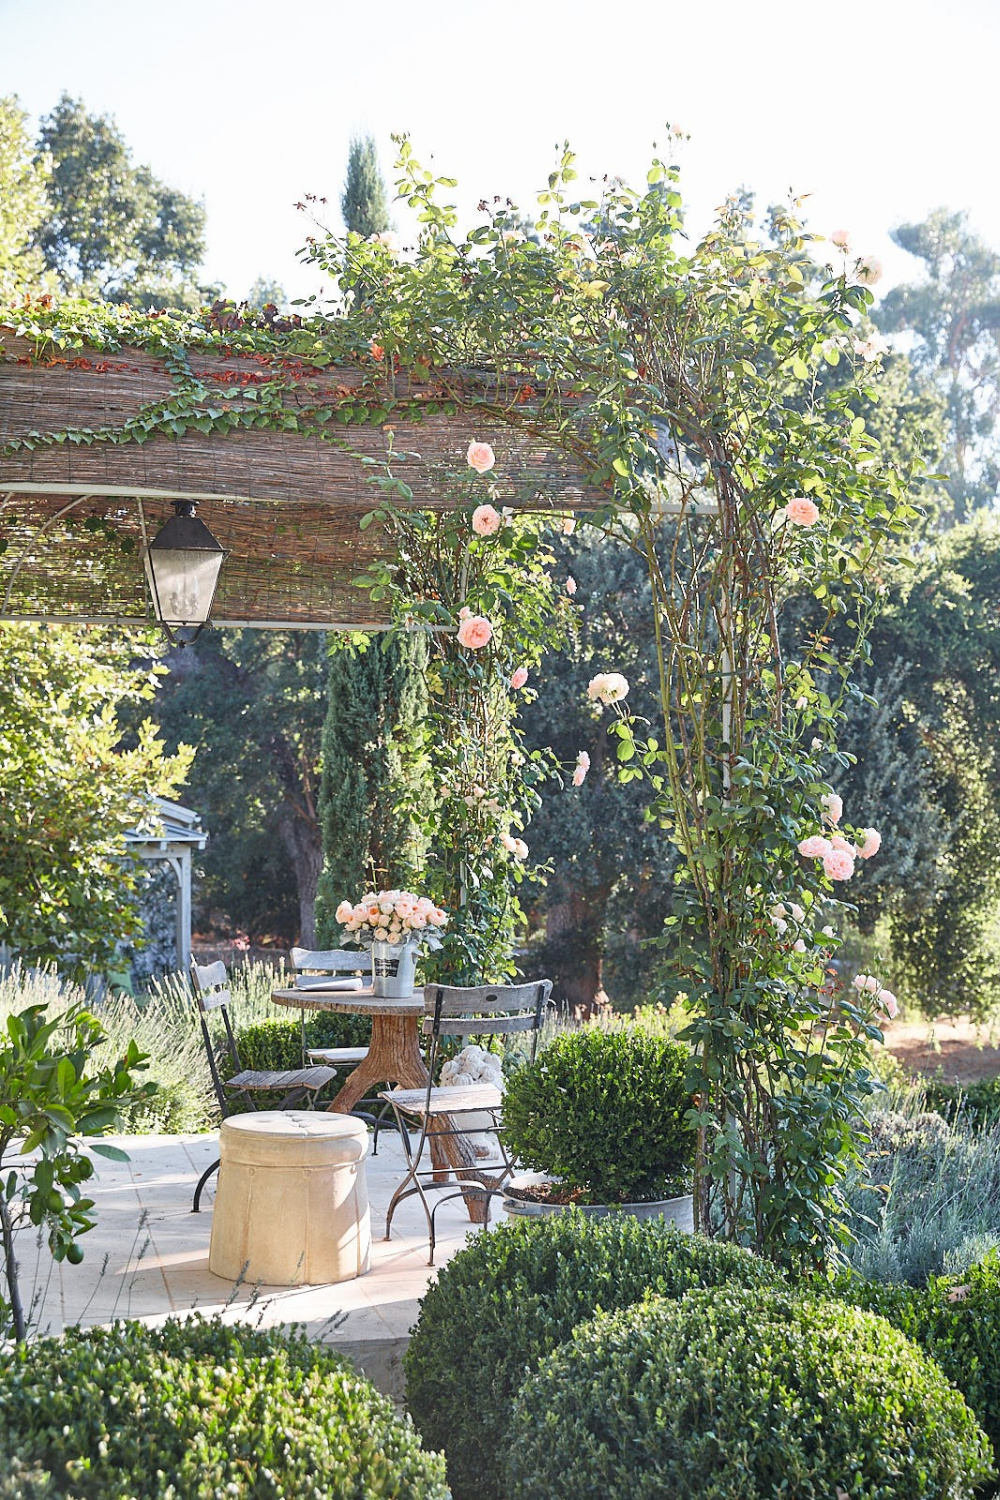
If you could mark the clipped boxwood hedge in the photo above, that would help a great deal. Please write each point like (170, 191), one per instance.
(751, 1395)
(604, 1111)
(956, 1320)
(196, 1410)
(511, 1296)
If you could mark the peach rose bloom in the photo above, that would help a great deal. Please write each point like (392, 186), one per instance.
(519, 678)
(377, 351)
(833, 807)
(481, 457)
(582, 767)
(872, 843)
(568, 525)
(838, 864)
(571, 586)
(802, 511)
(486, 521)
(475, 632)
(869, 271)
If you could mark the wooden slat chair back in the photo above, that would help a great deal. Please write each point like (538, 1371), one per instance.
(486, 1011)
(210, 983)
(332, 962)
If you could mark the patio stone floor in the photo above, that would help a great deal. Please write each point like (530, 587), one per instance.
(147, 1258)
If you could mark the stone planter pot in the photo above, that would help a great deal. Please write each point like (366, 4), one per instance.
(394, 969)
(678, 1211)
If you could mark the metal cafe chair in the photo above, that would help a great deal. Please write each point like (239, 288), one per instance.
(327, 963)
(211, 992)
(484, 1011)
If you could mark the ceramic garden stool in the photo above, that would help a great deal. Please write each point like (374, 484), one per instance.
(291, 1208)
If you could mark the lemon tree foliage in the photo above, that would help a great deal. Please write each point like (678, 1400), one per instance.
(69, 791)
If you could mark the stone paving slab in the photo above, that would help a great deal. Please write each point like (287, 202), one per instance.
(147, 1258)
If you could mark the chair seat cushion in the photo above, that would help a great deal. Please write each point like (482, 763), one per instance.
(337, 1055)
(446, 1101)
(298, 1078)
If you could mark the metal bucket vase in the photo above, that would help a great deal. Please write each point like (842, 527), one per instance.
(394, 969)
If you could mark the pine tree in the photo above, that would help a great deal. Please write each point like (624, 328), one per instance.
(363, 203)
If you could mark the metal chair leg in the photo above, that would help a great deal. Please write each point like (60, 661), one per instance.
(201, 1183)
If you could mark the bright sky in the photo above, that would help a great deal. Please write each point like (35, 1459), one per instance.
(881, 110)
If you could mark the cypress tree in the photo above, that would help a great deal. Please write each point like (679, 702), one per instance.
(363, 202)
(375, 708)
(376, 699)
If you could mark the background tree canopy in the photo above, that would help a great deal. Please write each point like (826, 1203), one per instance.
(69, 791)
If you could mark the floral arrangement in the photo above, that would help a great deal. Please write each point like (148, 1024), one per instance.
(395, 917)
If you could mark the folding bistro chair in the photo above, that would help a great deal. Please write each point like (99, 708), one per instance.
(487, 1011)
(212, 993)
(319, 968)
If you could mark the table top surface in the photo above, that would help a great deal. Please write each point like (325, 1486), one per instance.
(355, 1002)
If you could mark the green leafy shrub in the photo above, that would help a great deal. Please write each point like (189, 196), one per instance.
(199, 1410)
(512, 1296)
(276, 1044)
(975, 1104)
(956, 1320)
(735, 1393)
(604, 1111)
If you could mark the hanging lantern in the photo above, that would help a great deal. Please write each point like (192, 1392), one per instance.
(182, 564)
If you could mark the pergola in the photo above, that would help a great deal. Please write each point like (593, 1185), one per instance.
(76, 514)
(177, 836)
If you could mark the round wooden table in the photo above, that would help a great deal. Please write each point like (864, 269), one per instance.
(394, 1056)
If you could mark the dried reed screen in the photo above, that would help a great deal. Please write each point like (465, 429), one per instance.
(286, 507)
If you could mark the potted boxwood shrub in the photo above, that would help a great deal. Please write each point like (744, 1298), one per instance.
(602, 1115)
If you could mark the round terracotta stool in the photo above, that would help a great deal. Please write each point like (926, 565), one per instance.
(291, 1207)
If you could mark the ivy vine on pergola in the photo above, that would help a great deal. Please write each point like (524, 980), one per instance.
(278, 450)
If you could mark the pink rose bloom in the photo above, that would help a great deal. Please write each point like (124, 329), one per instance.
(838, 864)
(872, 843)
(837, 841)
(519, 678)
(568, 525)
(802, 511)
(475, 632)
(866, 984)
(582, 767)
(609, 687)
(801, 702)
(833, 807)
(888, 1002)
(481, 457)
(520, 849)
(797, 911)
(507, 842)
(464, 612)
(869, 270)
(798, 946)
(815, 847)
(381, 934)
(571, 586)
(486, 521)
(840, 238)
